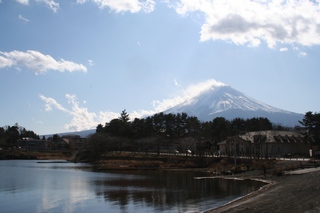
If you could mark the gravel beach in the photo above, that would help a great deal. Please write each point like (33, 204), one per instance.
(295, 191)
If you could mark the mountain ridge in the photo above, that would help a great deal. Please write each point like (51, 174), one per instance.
(82, 133)
(224, 101)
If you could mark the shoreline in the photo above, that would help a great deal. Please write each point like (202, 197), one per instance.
(239, 199)
(295, 191)
(290, 188)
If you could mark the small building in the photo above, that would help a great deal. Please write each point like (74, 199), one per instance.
(75, 142)
(265, 144)
(32, 144)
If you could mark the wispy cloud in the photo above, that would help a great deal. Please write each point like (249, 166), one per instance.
(300, 53)
(132, 6)
(50, 102)
(25, 2)
(283, 49)
(177, 84)
(90, 62)
(51, 4)
(23, 18)
(37, 62)
(82, 119)
(250, 22)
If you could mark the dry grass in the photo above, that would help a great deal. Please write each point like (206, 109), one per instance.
(26, 154)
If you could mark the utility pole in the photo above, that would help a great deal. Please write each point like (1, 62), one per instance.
(235, 153)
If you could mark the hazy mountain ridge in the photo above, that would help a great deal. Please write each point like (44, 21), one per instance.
(224, 101)
(83, 133)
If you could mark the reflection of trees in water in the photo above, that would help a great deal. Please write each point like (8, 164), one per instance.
(164, 190)
(237, 187)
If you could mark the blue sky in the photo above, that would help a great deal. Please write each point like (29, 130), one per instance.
(70, 65)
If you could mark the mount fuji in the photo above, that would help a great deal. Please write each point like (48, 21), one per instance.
(221, 100)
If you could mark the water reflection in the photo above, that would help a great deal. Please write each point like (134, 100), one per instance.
(29, 186)
(164, 191)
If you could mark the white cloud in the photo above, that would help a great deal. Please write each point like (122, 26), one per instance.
(300, 53)
(107, 116)
(90, 62)
(132, 6)
(37, 62)
(51, 4)
(82, 119)
(303, 54)
(283, 49)
(23, 18)
(5, 62)
(25, 2)
(177, 84)
(250, 22)
(50, 102)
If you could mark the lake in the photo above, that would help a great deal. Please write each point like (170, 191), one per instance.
(46, 186)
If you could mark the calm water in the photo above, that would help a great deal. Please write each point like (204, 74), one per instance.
(30, 186)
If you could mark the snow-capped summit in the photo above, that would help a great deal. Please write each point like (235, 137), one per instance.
(220, 100)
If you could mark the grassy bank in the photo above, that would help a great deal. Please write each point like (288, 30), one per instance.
(216, 166)
(36, 155)
(128, 160)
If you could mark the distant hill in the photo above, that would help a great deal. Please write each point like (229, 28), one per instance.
(83, 134)
(224, 101)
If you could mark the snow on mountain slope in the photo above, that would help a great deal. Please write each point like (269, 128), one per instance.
(224, 101)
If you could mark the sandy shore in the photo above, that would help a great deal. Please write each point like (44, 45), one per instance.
(296, 191)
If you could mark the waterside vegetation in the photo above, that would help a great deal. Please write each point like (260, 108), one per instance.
(158, 141)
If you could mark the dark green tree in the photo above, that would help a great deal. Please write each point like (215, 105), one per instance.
(12, 135)
(258, 124)
(99, 128)
(238, 125)
(56, 137)
(159, 129)
(180, 127)
(28, 134)
(124, 116)
(220, 129)
(311, 121)
(193, 127)
(2, 137)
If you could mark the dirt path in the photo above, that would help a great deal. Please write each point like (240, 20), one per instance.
(297, 191)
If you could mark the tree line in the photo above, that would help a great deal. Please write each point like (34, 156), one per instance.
(171, 132)
(9, 135)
